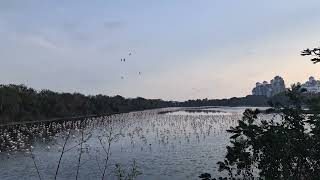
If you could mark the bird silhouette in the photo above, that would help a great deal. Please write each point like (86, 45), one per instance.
(124, 60)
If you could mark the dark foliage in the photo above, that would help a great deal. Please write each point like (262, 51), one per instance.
(20, 103)
(205, 176)
(249, 100)
(315, 52)
(286, 147)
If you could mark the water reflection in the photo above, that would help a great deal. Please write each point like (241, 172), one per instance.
(171, 145)
(197, 112)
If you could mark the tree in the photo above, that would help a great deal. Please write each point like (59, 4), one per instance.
(286, 146)
(315, 52)
(20, 103)
(276, 148)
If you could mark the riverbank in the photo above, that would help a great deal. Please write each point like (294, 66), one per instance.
(79, 118)
(23, 105)
(65, 119)
(165, 146)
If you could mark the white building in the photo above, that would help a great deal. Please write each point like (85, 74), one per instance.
(275, 86)
(311, 86)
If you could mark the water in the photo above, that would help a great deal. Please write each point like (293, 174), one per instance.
(178, 144)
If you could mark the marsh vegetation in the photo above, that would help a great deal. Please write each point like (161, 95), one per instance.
(143, 145)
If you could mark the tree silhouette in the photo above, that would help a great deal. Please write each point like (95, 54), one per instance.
(284, 146)
(315, 52)
(20, 103)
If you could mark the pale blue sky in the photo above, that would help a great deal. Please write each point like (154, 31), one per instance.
(185, 49)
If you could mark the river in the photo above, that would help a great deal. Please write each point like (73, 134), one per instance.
(170, 143)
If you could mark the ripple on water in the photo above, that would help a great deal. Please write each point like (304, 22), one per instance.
(179, 146)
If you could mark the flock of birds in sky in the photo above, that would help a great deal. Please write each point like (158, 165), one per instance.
(124, 60)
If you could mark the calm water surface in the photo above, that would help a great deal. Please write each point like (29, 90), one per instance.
(180, 144)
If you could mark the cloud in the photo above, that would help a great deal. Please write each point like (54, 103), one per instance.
(41, 42)
(111, 25)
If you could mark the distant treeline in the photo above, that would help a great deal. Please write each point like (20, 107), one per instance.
(21, 103)
(249, 100)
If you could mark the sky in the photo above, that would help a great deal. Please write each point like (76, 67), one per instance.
(184, 49)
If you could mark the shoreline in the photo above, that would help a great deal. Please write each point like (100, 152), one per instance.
(63, 119)
(79, 118)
